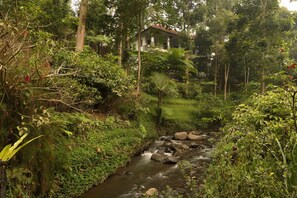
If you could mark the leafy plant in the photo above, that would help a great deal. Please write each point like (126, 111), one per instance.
(5, 155)
(256, 156)
(212, 111)
(10, 150)
(95, 72)
(97, 150)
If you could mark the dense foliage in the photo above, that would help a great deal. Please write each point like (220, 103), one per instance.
(257, 154)
(85, 107)
(99, 75)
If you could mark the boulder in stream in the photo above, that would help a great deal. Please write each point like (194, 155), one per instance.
(178, 153)
(178, 145)
(161, 152)
(181, 135)
(158, 157)
(195, 137)
(170, 160)
(151, 192)
(165, 138)
(194, 145)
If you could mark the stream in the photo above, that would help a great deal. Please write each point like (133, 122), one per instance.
(142, 173)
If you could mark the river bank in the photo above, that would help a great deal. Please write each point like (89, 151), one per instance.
(96, 149)
(143, 173)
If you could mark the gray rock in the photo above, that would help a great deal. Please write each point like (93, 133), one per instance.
(178, 145)
(161, 152)
(169, 145)
(151, 192)
(170, 160)
(157, 157)
(165, 138)
(168, 150)
(194, 145)
(178, 153)
(181, 135)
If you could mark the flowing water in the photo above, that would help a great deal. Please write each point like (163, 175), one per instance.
(143, 173)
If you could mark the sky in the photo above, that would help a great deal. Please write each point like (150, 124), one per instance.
(286, 3)
(291, 6)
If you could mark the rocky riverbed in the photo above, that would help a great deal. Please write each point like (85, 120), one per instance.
(157, 168)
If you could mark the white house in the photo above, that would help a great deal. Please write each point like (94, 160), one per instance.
(156, 36)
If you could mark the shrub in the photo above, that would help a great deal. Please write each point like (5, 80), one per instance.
(92, 71)
(257, 154)
(192, 90)
(212, 111)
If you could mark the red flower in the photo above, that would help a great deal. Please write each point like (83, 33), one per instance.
(27, 79)
(293, 66)
(281, 50)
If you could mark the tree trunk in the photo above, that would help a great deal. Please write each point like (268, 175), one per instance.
(227, 69)
(159, 112)
(187, 82)
(160, 96)
(216, 76)
(81, 29)
(139, 55)
(120, 47)
(262, 81)
(3, 179)
(120, 52)
(246, 78)
(187, 75)
(128, 48)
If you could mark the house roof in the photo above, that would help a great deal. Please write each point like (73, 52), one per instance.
(159, 27)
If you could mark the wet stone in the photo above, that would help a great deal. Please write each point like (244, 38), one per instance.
(194, 145)
(195, 137)
(157, 157)
(161, 152)
(168, 150)
(151, 192)
(181, 135)
(165, 138)
(170, 160)
(178, 145)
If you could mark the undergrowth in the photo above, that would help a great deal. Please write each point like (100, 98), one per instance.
(257, 154)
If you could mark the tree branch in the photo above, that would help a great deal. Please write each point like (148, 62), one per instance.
(62, 102)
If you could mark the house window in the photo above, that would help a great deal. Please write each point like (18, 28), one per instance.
(148, 42)
(165, 45)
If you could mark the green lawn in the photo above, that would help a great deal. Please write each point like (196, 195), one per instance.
(176, 108)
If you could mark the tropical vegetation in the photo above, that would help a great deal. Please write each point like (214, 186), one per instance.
(69, 75)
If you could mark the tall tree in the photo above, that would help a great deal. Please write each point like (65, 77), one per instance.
(257, 33)
(218, 12)
(51, 16)
(81, 28)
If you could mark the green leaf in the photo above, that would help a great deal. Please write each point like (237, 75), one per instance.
(9, 151)
(6, 148)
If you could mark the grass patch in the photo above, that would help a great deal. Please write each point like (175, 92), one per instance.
(177, 113)
(179, 109)
(96, 154)
(175, 108)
